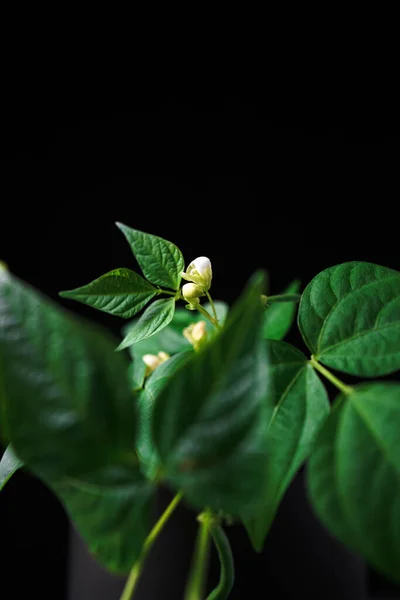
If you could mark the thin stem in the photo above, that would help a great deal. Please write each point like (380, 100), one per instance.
(160, 291)
(212, 306)
(207, 315)
(197, 578)
(283, 298)
(227, 576)
(149, 541)
(346, 389)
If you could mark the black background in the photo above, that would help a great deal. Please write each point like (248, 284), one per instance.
(220, 179)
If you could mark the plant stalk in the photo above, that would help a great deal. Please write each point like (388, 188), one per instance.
(345, 389)
(149, 541)
(198, 572)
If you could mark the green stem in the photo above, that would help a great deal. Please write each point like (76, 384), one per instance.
(346, 389)
(207, 315)
(161, 291)
(149, 541)
(283, 298)
(212, 306)
(197, 577)
(227, 576)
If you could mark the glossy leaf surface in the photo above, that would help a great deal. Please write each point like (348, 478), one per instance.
(209, 418)
(161, 261)
(298, 407)
(121, 292)
(349, 317)
(354, 474)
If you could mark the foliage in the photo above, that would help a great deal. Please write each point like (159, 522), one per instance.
(212, 403)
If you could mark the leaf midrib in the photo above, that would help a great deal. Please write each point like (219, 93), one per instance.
(358, 335)
(341, 299)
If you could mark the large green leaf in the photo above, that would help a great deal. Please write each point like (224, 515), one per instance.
(349, 317)
(147, 398)
(67, 403)
(298, 408)
(121, 292)
(112, 513)
(161, 261)
(354, 474)
(279, 317)
(154, 319)
(209, 419)
(9, 464)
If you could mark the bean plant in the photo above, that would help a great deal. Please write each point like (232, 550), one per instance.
(209, 402)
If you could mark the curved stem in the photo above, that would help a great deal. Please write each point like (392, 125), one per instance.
(149, 541)
(345, 389)
(212, 306)
(283, 298)
(207, 315)
(227, 577)
(197, 577)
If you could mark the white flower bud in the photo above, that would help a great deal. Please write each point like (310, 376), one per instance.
(196, 334)
(192, 291)
(199, 271)
(151, 361)
(163, 356)
(199, 331)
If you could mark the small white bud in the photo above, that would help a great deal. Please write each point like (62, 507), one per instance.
(199, 331)
(199, 271)
(163, 356)
(196, 334)
(192, 291)
(151, 361)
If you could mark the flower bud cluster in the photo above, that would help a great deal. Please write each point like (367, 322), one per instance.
(199, 273)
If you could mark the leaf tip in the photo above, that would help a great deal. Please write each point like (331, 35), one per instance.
(66, 294)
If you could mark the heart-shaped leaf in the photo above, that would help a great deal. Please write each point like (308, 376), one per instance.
(121, 292)
(161, 261)
(278, 317)
(78, 427)
(209, 419)
(155, 318)
(9, 464)
(298, 408)
(64, 376)
(354, 474)
(112, 513)
(349, 317)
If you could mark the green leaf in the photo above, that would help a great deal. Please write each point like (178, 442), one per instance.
(349, 317)
(298, 405)
(161, 261)
(154, 319)
(354, 474)
(67, 403)
(147, 398)
(209, 419)
(279, 317)
(9, 464)
(112, 513)
(120, 292)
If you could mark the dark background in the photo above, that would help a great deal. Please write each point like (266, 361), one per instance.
(221, 179)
